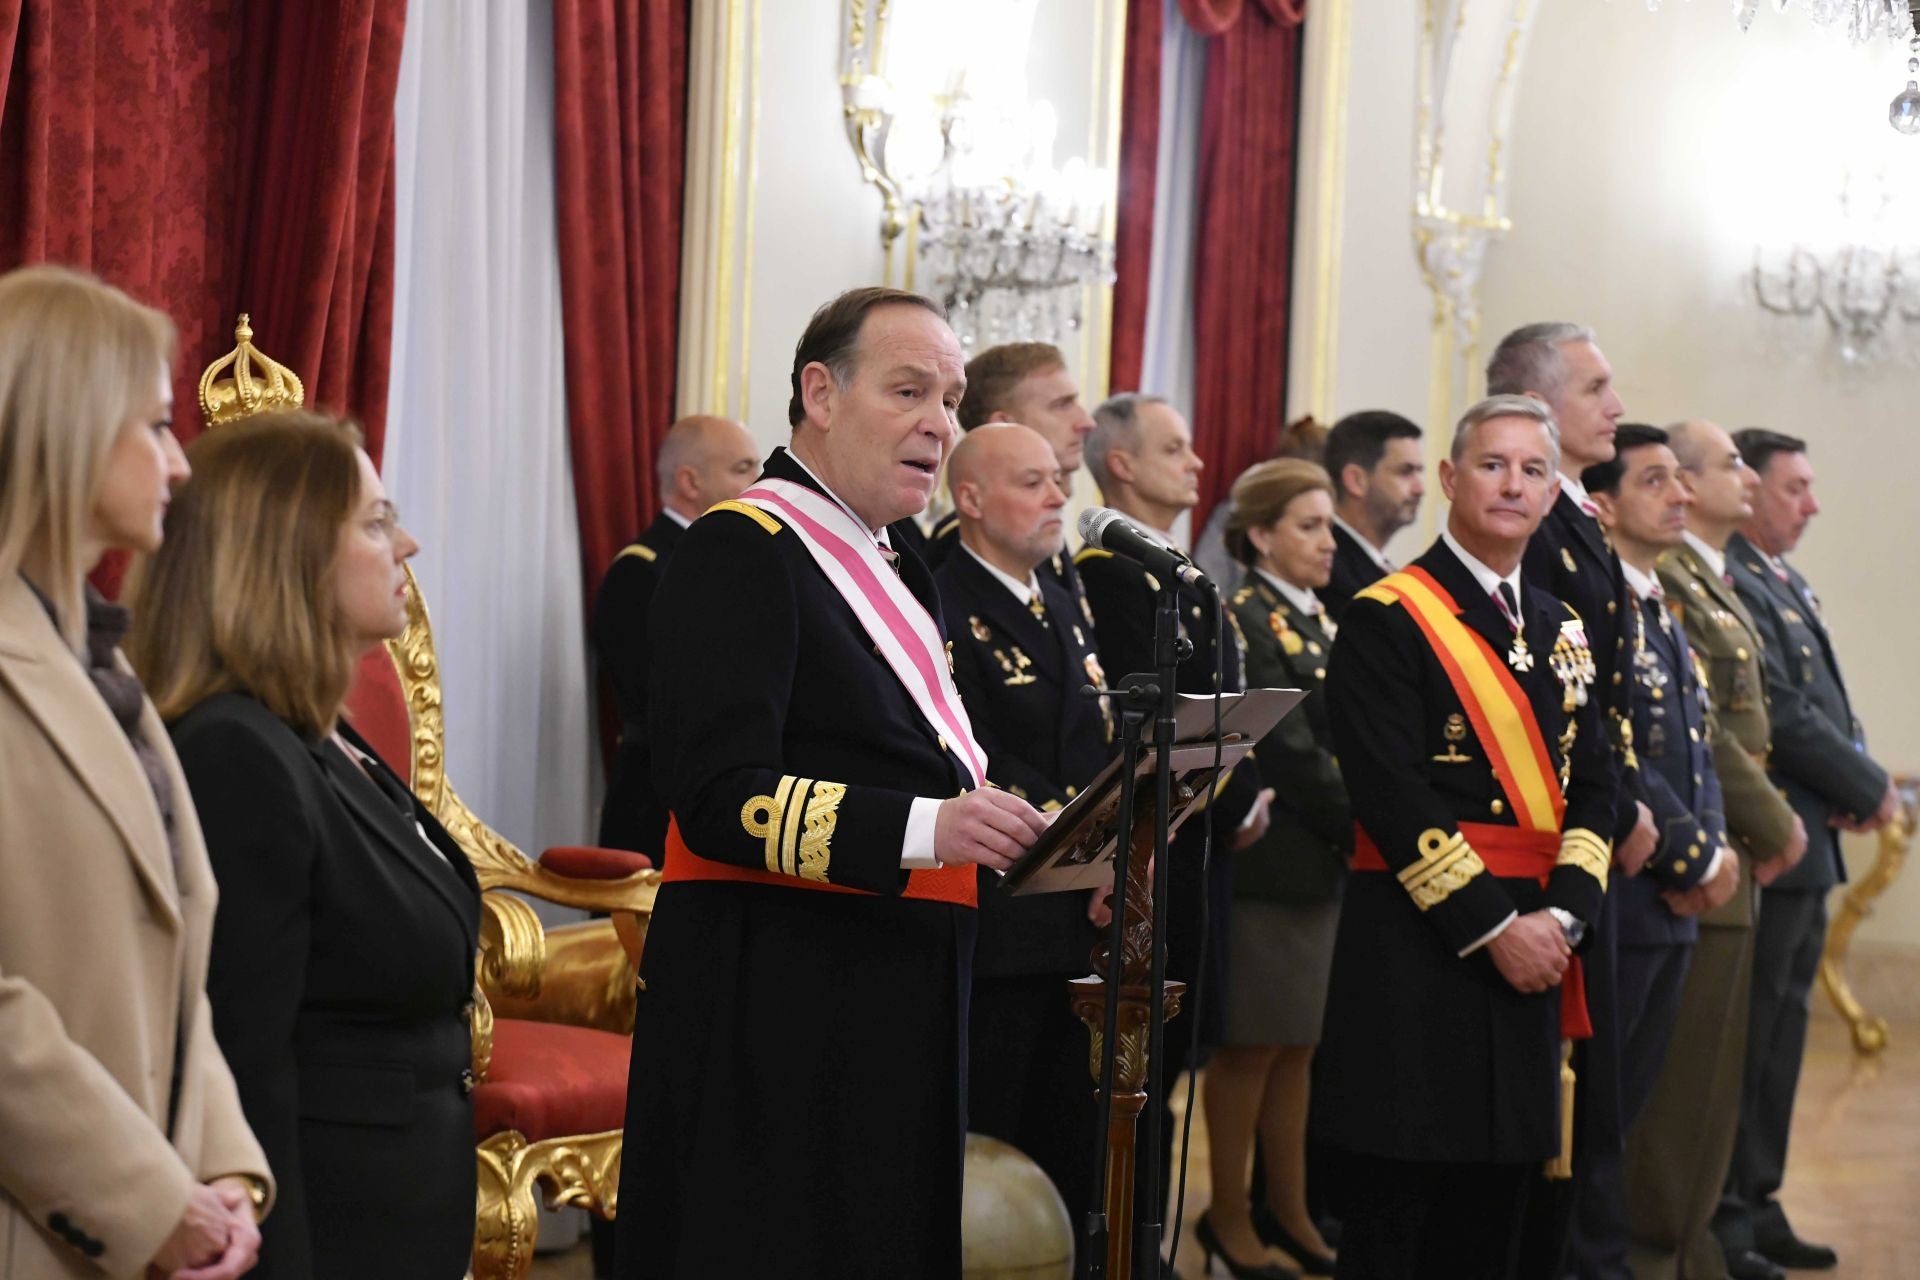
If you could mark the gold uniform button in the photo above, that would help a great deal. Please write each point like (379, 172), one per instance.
(1741, 654)
(1693, 851)
(1616, 677)
(943, 742)
(1499, 806)
(1679, 867)
(1319, 673)
(1611, 606)
(1806, 651)
(1313, 646)
(1694, 734)
(1072, 792)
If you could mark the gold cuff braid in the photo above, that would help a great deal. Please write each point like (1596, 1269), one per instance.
(1447, 862)
(1584, 849)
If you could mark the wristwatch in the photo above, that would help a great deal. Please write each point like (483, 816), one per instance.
(1571, 925)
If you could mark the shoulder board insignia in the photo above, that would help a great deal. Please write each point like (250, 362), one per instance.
(748, 510)
(1376, 595)
(640, 549)
(979, 629)
(1091, 553)
(1566, 558)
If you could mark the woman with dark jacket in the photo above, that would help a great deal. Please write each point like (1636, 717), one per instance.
(1286, 886)
(123, 1148)
(344, 946)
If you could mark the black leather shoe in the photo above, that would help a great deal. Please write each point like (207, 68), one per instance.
(1210, 1249)
(1745, 1264)
(1266, 1225)
(1795, 1254)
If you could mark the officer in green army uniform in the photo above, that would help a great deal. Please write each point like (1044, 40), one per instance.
(1678, 1150)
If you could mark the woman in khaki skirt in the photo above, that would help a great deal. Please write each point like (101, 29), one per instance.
(1286, 891)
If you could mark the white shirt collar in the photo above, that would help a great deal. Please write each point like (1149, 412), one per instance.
(879, 535)
(1024, 592)
(675, 516)
(1300, 598)
(1716, 560)
(1489, 580)
(1645, 585)
(1366, 545)
(1575, 490)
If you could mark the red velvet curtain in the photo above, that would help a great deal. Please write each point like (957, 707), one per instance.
(620, 98)
(211, 156)
(1244, 234)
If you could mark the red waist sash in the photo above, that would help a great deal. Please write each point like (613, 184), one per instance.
(957, 885)
(1513, 853)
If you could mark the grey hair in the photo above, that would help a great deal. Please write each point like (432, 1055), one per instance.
(1116, 425)
(1530, 358)
(1505, 407)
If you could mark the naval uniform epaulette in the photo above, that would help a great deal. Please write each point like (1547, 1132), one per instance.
(748, 510)
(640, 549)
(1085, 554)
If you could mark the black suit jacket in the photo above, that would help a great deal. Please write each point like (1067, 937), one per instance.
(769, 689)
(1021, 677)
(341, 972)
(1353, 569)
(1819, 752)
(632, 816)
(1426, 1054)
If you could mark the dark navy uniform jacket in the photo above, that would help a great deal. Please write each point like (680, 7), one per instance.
(1427, 1054)
(1353, 569)
(1673, 742)
(633, 816)
(1020, 675)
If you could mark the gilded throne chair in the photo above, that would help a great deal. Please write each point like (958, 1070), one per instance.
(552, 1014)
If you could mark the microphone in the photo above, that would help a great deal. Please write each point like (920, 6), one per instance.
(1107, 529)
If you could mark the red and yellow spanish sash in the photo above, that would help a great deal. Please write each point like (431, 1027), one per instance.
(1502, 716)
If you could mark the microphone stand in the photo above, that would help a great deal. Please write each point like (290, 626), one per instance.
(1138, 696)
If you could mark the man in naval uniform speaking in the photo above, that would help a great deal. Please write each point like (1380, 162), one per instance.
(797, 1101)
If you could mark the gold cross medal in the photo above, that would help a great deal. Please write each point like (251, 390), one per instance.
(1519, 657)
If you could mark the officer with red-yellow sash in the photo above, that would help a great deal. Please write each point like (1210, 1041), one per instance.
(1470, 736)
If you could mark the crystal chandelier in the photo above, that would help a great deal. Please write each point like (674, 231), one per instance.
(1866, 286)
(1863, 21)
(1011, 243)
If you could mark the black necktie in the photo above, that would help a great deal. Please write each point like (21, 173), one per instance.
(1509, 605)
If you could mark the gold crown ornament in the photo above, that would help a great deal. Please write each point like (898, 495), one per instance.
(257, 384)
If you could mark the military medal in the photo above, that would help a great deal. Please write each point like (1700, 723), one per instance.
(980, 631)
(1519, 657)
(1289, 638)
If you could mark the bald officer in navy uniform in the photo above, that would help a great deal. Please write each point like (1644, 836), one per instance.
(702, 460)
(1819, 758)
(796, 1101)
(1028, 383)
(1643, 503)
(1462, 702)
(1021, 655)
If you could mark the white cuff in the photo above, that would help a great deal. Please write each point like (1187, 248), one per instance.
(1713, 864)
(916, 850)
(1489, 935)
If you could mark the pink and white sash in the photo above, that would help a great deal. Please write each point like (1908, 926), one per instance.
(902, 630)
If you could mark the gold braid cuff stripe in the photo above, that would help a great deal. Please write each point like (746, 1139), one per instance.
(1447, 863)
(796, 823)
(1583, 849)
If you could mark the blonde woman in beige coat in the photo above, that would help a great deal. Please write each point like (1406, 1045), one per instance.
(123, 1150)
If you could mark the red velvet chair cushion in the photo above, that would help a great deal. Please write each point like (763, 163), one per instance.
(377, 709)
(550, 1081)
(582, 862)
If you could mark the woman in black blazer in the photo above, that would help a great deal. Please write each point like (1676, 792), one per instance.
(344, 943)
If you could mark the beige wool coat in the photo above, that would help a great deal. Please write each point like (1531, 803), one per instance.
(103, 965)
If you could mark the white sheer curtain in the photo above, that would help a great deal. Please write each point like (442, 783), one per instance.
(1166, 366)
(476, 454)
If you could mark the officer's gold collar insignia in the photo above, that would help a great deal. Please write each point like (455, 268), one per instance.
(979, 629)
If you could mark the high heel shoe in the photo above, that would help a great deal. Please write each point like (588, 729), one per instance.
(1266, 1225)
(1210, 1249)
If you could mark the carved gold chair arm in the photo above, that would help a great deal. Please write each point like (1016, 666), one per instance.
(588, 981)
(1896, 841)
(513, 946)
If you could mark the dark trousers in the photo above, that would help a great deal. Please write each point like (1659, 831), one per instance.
(1027, 1078)
(1788, 937)
(1678, 1150)
(1417, 1221)
(1651, 979)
